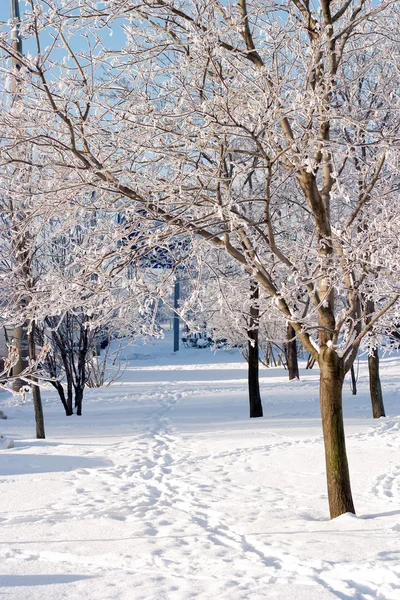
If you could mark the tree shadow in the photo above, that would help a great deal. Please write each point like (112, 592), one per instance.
(43, 579)
(26, 464)
(390, 513)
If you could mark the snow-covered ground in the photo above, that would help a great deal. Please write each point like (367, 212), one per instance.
(165, 490)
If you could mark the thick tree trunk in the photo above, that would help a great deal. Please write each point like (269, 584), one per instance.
(37, 399)
(375, 388)
(291, 351)
(337, 470)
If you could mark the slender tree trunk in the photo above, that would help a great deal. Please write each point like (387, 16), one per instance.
(52, 370)
(256, 409)
(70, 401)
(353, 381)
(375, 388)
(67, 402)
(68, 375)
(337, 470)
(60, 391)
(291, 351)
(310, 362)
(78, 400)
(37, 399)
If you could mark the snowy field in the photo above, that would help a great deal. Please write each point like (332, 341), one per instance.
(165, 490)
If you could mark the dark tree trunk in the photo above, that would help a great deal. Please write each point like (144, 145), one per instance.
(375, 388)
(70, 410)
(78, 400)
(51, 367)
(291, 352)
(310, 362)
(256, 409)
(69, 378)
(337, 470)
(67, 402)
(37, 400)
(353, 381)
(80, 372)
(60, 391)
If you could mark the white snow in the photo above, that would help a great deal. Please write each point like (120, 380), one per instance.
(166, 490)
(6, 443)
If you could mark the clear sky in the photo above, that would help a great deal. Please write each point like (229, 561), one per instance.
(5, 10)
(115, 40)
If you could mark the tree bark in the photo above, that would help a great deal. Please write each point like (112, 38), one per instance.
(291, 351)
(37, 399)
(67, 403)
(375, 388)
(51, 368)
(68, 375)
(353, 381)
(78, 400)
(310, 362)
(256, 409)
(337, 470)
(20, 342)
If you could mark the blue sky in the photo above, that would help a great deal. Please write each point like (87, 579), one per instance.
(116, 40)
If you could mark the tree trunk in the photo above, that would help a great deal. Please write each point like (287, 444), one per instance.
(291, 351)
(353, 381)
(67, 403)
(20, 342)
(78, 400)
(51, 368)
(68, 375)
(310, 362)
(375, 388)
(70, 409)
(37, 399)
(337, 470)
(256, 409)
(378, 409)
(60, 391)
